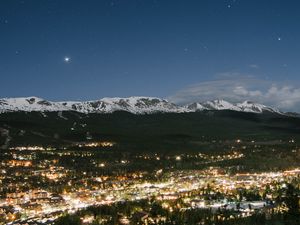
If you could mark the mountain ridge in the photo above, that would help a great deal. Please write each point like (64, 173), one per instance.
(136, 105)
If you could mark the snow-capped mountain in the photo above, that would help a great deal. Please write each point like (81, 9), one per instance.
(29, 104)
(246, 106)
(213, 105)
(136, 105)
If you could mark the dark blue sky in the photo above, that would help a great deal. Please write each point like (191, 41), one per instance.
(143, 47)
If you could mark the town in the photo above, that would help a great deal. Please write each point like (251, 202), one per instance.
(41, 184)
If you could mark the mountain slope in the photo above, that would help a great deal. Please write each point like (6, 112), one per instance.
(245, 106)
(152, 131)
(135, 105)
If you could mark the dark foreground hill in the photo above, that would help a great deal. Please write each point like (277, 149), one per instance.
(160, 131)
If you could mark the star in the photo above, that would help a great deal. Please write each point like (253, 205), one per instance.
(67, 59)
(279, 38)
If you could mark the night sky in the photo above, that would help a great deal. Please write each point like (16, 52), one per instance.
(182, 50)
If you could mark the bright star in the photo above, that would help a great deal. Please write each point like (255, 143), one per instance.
(279, 38)
(67, 59)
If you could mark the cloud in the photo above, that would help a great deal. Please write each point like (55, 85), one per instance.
(235, 87)
(254, 66)
(242, 91)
